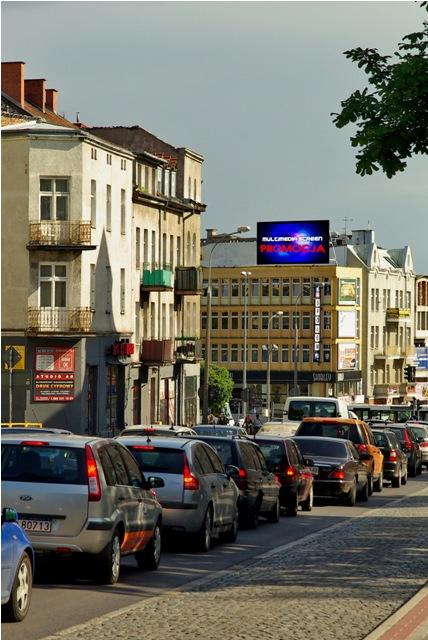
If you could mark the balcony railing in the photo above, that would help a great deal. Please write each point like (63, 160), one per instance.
(188, 281)
(188, 349)
(156, 351)
(59, 234)
(396, 314)
(59, 320)
(157, 278)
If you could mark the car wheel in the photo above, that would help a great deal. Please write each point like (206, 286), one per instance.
(378, 485)
(404, 478)
(273, 515)
(108, 561)
(363, 495)
(18, 604)
(232, 534)
(149, 557)
(308, 503)
(351, 497)
(397, 480)
(203, 537)
(292, 506)
(370, 483)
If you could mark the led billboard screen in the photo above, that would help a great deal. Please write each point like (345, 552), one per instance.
(304, 242)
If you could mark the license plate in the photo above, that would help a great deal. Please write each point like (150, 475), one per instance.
(44, 526)
(315, 471)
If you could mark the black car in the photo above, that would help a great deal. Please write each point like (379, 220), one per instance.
(258, 487)
(394, 459)
(409, 444)
(341, 472)
(292, 470)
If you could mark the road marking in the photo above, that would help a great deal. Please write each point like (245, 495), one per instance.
(200, 582)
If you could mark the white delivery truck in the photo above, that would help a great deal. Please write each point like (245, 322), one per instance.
(298, 407)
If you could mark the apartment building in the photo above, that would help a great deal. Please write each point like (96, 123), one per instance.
(283, 316)
(388, 320)
(421, 338)
(166, 209)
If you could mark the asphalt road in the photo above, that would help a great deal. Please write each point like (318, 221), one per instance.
(63, 597)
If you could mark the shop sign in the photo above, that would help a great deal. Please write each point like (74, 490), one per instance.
(54, 359)
(122, 349)
(53, 387)
(317, 323)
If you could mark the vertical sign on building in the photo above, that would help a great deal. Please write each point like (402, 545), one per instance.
(317, 323)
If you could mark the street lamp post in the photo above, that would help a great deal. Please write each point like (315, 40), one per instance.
(219, 238)
(246, 275)
(278, 314)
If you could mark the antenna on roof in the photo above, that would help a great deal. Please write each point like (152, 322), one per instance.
(345, 220)
(77, 117)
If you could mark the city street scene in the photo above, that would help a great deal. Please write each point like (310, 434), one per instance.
(214, 373)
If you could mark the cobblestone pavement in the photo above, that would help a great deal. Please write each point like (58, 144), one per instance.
(340, 583)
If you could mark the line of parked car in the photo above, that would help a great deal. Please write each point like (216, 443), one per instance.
(108, 497)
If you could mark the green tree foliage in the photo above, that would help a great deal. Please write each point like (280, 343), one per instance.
(392, 115)
(220, 386)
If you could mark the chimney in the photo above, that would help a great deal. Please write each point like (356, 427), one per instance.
(211, 233)
(35, 93)
(52, 100)
(12, 80)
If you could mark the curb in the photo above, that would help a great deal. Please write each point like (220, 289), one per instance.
(409, 622)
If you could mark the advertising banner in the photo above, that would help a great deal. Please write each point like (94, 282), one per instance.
(347, 324)
(54, 374)
(304, 242)
(347, 292)
(347, 356)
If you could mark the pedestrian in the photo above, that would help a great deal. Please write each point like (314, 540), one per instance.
(223, 420)
(210, 418)
(248, 425)
(257, 423)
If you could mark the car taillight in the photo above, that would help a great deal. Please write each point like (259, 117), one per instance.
(339, 474)
(142, 447)
(392, 455)
(94, 487)
(242, 473)
(423, 444)
(362, 448)
(34, 443)
(289, 472)
(190, 482)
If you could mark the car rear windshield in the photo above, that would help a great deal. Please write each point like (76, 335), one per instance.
(331, 430)
(221, 432)
(149, 431)
(420, 432)
(381, 439)
(225, 450)
(151, 458)
(47, 463)
(274, 452)
(311, 448)
(400, 433)
(299, 409)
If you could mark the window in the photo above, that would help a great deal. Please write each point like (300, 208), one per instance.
(93, 153)
(171, 321)
(235, 289)
(285, 289)
(255, 288)
(122, 211)
(224, 320)
(204, 321)
(224, 288)
(194, 249)
(275, 322)
(307, 289)
(178, 251)
(163, 330)
(214, 320)
(53, 285)
(264, 353)
(216, 463)
(254, 353)
(326, 353)
(166, 182)
(171, 251)
(93, 204)
(201, 456)
(92, 293)
(153, 320)
(54, 196)
(306, 351)
(286, 321)
(265, 288)
(295, 354)
(285, 353)
(223, 353)
(326, 320)
(164, 251)
(123, 164)
(234, 319)
(137, 247)
(133, 471)
(214, 353)
(265, 319)
(108, 158)
(234, 353)
(214, 288)
(153, 248)
(275, 287)
(108, 207)
(173, 184)
(254, 320)
(122, 291)
(296, 289)
(275, 353)
(109, 287)
(296, 320)
(119, 466)
(306, 321)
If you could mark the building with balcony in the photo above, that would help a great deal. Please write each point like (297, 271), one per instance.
(167, 279)
(388, 318)
(319, 344)
(67, 277)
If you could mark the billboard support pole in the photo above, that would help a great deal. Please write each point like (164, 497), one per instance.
(10, 383)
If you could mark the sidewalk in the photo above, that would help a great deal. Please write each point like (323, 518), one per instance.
(340, 583)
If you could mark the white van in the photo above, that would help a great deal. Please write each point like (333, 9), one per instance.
(298, 407)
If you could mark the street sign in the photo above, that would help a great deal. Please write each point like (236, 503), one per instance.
(15, 355)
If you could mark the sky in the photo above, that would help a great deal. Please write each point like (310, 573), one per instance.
(248, 85)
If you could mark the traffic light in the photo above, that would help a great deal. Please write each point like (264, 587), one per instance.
(409, 373)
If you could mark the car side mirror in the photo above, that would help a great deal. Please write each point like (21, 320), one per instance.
(232, 471)
(9, 515)
(155, 482)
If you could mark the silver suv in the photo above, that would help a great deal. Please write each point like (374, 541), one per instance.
(80, 494)
(199, 498)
